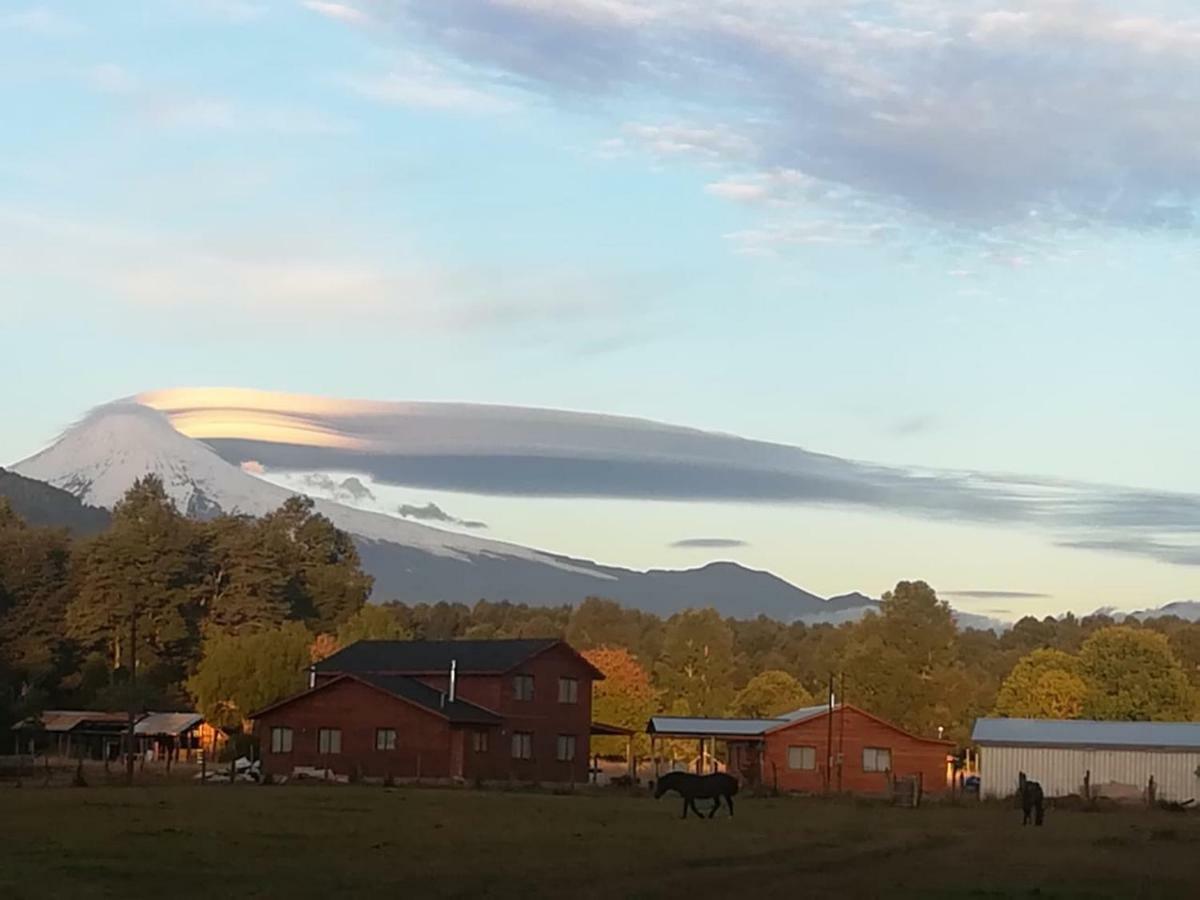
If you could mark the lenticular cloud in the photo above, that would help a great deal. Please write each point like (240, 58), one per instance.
(518, 451)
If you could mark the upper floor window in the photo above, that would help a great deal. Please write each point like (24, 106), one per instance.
(522, 687)
(568, 690)
(522, 745)
(385, 738)
(281, 740)
(479, 741)
(329, 740)
(802, 758)
(877, 759)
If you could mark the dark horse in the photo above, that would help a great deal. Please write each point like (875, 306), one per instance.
(706, 787)
(1031, 799)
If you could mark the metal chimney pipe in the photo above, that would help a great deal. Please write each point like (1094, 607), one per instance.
(453, 676)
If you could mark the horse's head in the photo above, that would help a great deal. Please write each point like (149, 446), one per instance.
(1021, 779)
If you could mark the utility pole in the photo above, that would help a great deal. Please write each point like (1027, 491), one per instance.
(132, 692)
(841, 732)
(829, 737)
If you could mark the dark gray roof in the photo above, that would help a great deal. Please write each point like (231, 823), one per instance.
(460, 711)
(434, 656)
(1087, 733)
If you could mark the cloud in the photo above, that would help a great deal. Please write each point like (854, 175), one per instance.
(418, 83)
(995, 595)
(518, 451)
(235, 12)
(253, 467)
(350, 489)
(110, 78)
(431, 512)
(911, 425)
(960, 114)
(342, 12)
(707, 543)
(40, 21)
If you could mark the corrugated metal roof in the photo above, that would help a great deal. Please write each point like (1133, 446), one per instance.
(686, 726)
(168, 723)
(431, 698)
(63, 720)
(805, 712)
(1087, 733)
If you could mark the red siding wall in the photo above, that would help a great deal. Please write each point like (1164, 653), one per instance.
(910, 755)
(423, 739)
(359, 709)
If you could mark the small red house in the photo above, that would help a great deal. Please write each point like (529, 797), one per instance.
(814, 750)
(518, 709)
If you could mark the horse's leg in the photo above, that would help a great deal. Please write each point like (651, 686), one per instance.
(686, 801)
(692, 803)
(729, 800)
(1039, 813)
(716, 805)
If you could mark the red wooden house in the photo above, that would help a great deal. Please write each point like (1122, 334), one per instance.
(504, 709)
(814, 750)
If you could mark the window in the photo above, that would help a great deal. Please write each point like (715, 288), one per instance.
(522, 745)
(281, 740)
(566, 747)
(385, 738)
(479, 741)
(803, 758)
(523, 687)
(876, 759)
(329, 740)
(568, 690)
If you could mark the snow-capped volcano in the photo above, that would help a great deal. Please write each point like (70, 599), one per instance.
(98, 459)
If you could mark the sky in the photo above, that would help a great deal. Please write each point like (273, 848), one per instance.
(904, 234)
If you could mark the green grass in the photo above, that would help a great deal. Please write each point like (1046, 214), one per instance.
(324, 842)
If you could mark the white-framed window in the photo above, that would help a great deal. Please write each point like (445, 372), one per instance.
(566, 747)
(385, 738)
(522, 745)
(522, 687)
(479, 741)
(568, 690)
(329, 740)
(877, 759)
(281, 740)
(802, 758)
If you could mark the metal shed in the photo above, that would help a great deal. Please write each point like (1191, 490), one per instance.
(1079, 756)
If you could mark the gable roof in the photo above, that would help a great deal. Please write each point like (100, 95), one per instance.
(698, 726)
(458, 711)
(1087, 733)
(815, 712)
(429, 657)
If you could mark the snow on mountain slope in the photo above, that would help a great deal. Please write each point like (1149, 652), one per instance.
(101, 456)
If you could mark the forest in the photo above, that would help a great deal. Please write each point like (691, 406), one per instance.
(159, 611)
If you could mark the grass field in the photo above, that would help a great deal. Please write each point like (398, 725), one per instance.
(324, 842)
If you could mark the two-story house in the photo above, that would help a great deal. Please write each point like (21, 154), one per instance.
(496, 709)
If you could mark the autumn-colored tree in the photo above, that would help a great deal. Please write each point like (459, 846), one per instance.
(1132, 674)
(769, 694)
(239, 674)
(323, 646)
(625, 697)
(1045, 684)
(696, 664)
(372, 623)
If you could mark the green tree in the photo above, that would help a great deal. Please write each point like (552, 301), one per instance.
(372, 623)
(150, 562)
(696, 665)
(326, 584)
(247, 583)
(769, 694)
(903, 665)
(34, 576)
(239, 674)
(1132, 674)
(1045, 684)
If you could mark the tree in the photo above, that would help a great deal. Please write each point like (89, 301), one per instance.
(148, 562)
(769, 694)
(247, 581)
(34, 574)
(326, 584)
(239, 674)
(372, 623)
(904, 664)
(625, 697)
(1045, 684)
(1132, 674)
(696, 665)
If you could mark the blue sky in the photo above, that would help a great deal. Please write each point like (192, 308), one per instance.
(956, 236)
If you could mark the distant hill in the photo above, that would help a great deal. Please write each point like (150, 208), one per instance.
(39, 503)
